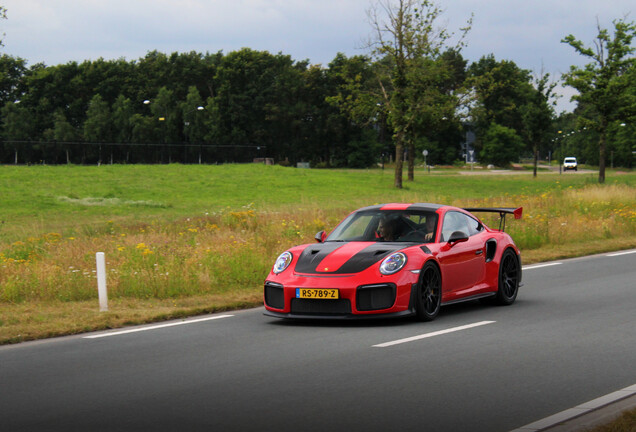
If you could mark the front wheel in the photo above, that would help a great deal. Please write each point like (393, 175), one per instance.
(429, 293)
(509, 273)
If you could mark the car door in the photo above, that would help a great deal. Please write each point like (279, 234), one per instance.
(462, 263)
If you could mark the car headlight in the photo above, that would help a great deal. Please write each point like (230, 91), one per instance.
(393, 263)
(282, 262)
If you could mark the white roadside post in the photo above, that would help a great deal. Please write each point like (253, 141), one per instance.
(101, 281)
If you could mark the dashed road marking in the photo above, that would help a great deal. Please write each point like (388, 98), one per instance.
(432, 334)
(155, 327)
(532, 267)
(615, 254)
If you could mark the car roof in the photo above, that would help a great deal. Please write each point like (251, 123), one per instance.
(404, 206)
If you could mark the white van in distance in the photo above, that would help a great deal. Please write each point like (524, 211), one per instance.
(570, 163)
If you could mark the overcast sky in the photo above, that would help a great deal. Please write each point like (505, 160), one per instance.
(58, 31)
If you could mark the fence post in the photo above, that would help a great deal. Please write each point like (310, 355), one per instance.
(101, 281)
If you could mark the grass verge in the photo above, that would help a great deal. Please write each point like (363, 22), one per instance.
(185, 240)
(625, 423)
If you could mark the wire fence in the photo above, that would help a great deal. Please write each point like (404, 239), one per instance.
(96, 153)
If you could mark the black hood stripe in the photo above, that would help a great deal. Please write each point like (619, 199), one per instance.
(313, 255)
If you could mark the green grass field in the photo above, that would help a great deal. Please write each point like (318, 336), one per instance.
(68, 197)
(181, 240)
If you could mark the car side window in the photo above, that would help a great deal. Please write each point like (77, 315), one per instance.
(453, 221)
(474, 227)
(456, 221)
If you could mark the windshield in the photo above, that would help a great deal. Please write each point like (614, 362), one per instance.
(393, 226)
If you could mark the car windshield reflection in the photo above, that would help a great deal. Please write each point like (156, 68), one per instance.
(388, 226)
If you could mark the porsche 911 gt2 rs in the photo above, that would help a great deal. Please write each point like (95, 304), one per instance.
(396, 260)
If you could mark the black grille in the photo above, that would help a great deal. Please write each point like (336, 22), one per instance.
(375, 297)
(274, 296)
(320, 307)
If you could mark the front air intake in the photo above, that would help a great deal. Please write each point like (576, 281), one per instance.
(375, 297)
(320, 307)
(274, 295)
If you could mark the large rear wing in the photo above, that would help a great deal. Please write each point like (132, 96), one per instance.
(503, 211)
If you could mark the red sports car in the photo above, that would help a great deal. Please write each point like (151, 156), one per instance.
(396, 260)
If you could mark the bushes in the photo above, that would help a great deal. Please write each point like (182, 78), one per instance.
(501, 145)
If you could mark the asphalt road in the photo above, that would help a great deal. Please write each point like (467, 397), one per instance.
(569, 338)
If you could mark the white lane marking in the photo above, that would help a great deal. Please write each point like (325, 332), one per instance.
(117, 333)
(532, 267)
(579, 410)
(428, 335)
(621, 253)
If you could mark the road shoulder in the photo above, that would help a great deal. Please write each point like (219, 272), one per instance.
(586, 416)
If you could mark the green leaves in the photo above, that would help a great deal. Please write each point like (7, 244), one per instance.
(407, 34)
(501, 145)
(98, 124)
(606, 84)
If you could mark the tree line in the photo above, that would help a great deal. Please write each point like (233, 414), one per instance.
(414, 91)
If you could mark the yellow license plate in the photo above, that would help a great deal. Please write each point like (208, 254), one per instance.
(322, 294)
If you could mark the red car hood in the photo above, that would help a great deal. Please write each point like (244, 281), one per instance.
(343, 257)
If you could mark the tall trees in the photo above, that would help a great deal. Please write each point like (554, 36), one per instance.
(165, 111)
(193, 121)
(501, 144)
(606, 84)
(98, 124)
(501, 89)
(122, 112)
(97, 127)
(434, 99)
(64, 132)
(349, 113)
(12, 71)
(355, 88)
(407, 96)
(257, 103)
(507, 96)
(538, 115)
(18, 124)
(273, 105)
(406, 32)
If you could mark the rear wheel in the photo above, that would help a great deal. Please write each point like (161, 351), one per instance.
(509, 273)
(429, 293)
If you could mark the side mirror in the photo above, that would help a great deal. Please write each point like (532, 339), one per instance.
(458, 237)
(321, 236)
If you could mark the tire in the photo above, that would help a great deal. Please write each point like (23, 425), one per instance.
(509, 273)
(429, 293)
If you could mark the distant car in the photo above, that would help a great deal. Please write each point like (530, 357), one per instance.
(396, 260)
(570, 163)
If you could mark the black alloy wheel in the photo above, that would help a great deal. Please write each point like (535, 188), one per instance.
(429, 293)
(508, 278)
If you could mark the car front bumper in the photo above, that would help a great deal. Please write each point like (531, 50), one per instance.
(390, 296)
